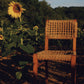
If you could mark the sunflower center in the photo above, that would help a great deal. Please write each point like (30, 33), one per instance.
(16, 8)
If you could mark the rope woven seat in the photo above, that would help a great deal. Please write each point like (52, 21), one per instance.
(55, 55)
(57, 29)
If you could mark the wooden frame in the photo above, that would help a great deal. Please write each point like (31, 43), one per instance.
(58, 29)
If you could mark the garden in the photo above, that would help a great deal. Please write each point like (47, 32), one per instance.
(22, 33)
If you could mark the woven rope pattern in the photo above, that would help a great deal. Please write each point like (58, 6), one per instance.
(60, 29)
(55, 55)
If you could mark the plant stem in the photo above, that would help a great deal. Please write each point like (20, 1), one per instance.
(20, 22)
(21, 29)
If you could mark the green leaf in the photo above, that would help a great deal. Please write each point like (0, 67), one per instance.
(23, 62)
(10, 45)
(18, 75)
(22, 67)
(28, 48)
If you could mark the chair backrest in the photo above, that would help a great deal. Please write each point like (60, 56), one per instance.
(61, 29)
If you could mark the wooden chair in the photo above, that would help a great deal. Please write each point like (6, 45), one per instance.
(58, 29)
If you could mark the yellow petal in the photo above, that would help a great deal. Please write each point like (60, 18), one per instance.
(14, 12)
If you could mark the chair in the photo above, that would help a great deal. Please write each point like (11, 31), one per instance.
(57, 29)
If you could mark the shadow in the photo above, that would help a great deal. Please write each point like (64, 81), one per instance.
(8, 68)
(80, 69)
(58, 73)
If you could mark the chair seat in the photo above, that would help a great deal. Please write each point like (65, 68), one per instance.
(55, 55)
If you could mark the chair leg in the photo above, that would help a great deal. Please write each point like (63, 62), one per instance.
(35, 68)
(46, 71)
(73, 69)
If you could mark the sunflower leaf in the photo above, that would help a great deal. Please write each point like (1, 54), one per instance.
(18, 75)
(28, 48)
(23, 62)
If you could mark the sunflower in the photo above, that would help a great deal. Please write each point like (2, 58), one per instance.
(1, 29)
(1, 37)
(35, 28)
(15, 9)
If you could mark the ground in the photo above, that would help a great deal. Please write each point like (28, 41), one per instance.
(59, 73)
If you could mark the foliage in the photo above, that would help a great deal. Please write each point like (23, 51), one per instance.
(18, 75)
(17, 35)
(22, 35)
(24, 38)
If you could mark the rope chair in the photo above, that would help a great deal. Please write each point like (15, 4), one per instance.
(57, 29)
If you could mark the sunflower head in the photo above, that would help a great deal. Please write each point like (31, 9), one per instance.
(35, 28)
(1, 37)
(15, 9)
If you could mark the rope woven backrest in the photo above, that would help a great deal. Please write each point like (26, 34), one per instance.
(61, 29)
